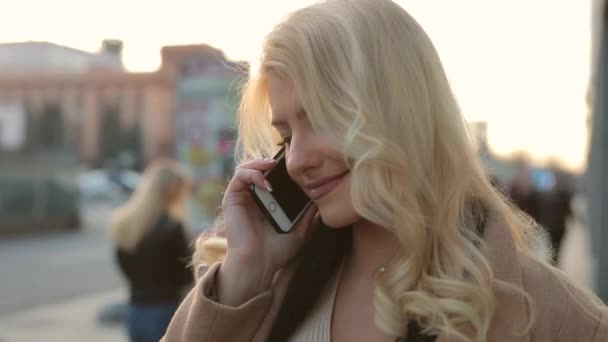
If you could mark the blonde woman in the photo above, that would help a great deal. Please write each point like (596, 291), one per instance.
(409, 241)
(152, 249)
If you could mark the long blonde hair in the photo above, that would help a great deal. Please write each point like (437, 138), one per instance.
(371, 81)
(130, 222)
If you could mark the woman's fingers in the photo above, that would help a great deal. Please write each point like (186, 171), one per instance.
(251, 172)
(243, 177)
(258, 164)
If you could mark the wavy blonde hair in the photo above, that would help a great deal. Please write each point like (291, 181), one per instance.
(130, 222)
(371, 81)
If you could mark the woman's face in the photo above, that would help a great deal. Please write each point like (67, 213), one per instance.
(312, 162)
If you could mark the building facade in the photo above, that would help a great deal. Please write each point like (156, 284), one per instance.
(87, 105)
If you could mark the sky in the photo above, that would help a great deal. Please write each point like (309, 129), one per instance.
(521, 65)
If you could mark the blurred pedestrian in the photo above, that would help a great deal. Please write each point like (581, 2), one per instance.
(407, 239)
(152, 249)
(556, 208)
(523, 193)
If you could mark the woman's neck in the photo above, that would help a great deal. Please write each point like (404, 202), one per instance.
(372, 248)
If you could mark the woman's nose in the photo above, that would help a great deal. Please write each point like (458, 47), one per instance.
(301, 156)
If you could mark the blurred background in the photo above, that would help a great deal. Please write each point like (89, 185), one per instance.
(92, 92)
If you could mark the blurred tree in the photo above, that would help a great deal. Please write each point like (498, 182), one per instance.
(119, 144)
(131, 146)
(32, 127)
(50, 129)
(110, 134)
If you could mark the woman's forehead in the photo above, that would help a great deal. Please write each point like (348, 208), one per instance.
(283, 98)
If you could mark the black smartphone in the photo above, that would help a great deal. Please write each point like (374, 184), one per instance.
(286, 204)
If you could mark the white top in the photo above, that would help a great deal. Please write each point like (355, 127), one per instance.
(317, 326)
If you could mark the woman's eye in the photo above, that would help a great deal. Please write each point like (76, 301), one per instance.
(285, 141)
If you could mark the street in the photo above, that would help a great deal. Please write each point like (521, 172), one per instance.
(47, 268)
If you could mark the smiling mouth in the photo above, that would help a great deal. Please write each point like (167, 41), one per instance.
(319, 188)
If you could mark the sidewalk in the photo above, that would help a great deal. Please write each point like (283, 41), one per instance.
(71, 321)
(576, 259)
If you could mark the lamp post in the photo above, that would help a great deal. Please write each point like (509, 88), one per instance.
(597, 168)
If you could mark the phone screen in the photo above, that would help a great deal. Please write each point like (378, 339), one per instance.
(287, 193)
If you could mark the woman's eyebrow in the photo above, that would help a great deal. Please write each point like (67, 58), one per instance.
(301, 115)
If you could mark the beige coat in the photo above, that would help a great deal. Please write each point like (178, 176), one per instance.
(564, 313)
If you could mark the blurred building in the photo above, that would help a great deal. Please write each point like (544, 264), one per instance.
(479, 135)
(58, 100)
(45, 57)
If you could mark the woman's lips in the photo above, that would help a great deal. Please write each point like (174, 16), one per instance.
(319, 188)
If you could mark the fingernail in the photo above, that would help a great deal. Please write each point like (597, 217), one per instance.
(268, 186)
(270, 160)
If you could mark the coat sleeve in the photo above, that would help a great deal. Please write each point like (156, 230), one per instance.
(601, 335)
(200, 318)
(584, 319)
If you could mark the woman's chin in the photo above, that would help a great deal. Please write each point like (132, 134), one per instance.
(337, 221)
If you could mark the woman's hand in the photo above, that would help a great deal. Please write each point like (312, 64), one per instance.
(255, 250)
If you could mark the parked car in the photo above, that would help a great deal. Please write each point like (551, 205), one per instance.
(102, 185)
(38, 197)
